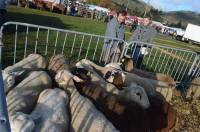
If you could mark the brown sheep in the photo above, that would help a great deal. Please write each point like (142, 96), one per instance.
(163, 83)
(127, 93)
(127, 65)
(128, 116)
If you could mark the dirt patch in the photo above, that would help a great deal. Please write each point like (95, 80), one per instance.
(188, 115)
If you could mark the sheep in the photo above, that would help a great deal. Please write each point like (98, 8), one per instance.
(119, 81)
(127, 64)
(50, 114)
(124, 115)
(163, 84)
(21, 122)
(128, 93)
(32, 62)
(51, 111)
(84, 115)
(96, 73)
(18, 98)
(88, 65)
(194, 90)
(129, 116)
(162, 115)
(56, 63)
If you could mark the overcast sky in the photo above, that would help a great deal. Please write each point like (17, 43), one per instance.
(174, 5)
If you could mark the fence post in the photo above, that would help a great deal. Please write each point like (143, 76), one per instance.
(4, 121)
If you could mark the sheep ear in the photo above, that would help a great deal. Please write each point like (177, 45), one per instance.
(77, 79)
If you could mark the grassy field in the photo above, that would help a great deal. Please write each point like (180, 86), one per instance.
(158, 60)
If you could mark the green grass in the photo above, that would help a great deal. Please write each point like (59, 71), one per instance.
(162, 63)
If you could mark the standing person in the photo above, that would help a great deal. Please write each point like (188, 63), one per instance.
(3, 4)
(115, 29)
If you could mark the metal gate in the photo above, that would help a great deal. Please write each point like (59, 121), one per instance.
(21, 39)
(181, 65)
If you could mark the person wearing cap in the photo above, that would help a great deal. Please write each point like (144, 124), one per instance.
(115, 29)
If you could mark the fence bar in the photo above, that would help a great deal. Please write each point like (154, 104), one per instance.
(55, 45)
(79, 54)
(149, 56)
(186, 69)
(154, 58)
(176, 61)
(26, 41)
(161, 66)
(64, 43)
(88, 47)
(182, 68)
(171, 63)
(158, 59)
(4, 120)
(179, 64)
(73, 45)
(169, 57)
(47, 42)
(195, 69)
(15, 49)
(97, 44)
(36, 42)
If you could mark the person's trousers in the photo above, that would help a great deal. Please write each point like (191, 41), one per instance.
(109, 52)
(2, 16)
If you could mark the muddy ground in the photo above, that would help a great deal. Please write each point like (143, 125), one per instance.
(188, 114)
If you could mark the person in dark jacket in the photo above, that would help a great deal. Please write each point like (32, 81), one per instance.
(115, 29)
(2, 11)
(3, 5)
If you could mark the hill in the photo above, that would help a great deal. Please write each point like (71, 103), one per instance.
(134, 6)
(184, 17)
(137, 7)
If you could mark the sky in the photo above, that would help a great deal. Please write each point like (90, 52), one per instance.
(175, 5)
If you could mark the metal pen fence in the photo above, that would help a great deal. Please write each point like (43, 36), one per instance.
(21, 39)
(181, 65)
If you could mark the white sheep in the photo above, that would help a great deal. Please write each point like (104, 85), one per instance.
(52, 112)
(84, 115)
(33, 61)
(24, 96)
(20, 122)
(49, 115)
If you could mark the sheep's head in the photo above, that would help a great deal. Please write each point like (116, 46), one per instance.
(83, 74)
(63, 78)
(136, 94)
(115, 77)
(127, 63)
(21, 122)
